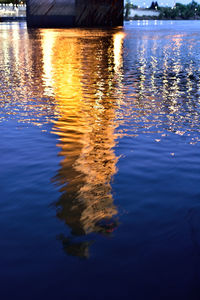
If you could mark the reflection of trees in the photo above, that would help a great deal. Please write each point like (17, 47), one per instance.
(85, 78)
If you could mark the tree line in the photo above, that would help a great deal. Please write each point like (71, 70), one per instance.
(181, 11)
(178, 12)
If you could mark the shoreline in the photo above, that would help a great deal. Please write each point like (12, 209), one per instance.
(137, 18)
(23, 18)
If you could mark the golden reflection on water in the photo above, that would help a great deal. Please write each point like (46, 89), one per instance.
(88, 83)
(85, 125)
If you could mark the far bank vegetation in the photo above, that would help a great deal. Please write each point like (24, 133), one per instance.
(180, 11)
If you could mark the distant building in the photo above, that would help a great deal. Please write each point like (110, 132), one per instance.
(142, 13)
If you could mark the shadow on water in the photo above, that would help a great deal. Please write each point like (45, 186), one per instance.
(86, 89)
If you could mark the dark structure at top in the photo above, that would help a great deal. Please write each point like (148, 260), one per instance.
(74, 13)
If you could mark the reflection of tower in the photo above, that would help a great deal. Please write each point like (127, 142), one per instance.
(84, 72)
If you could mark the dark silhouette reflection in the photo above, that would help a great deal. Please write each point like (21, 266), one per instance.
(80, 249)
(83, 71)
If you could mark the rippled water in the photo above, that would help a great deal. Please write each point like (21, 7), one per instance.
(99, 155)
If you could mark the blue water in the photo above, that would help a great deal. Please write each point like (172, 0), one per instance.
(99, 162)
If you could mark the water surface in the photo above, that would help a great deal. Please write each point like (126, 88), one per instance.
(99, 154)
